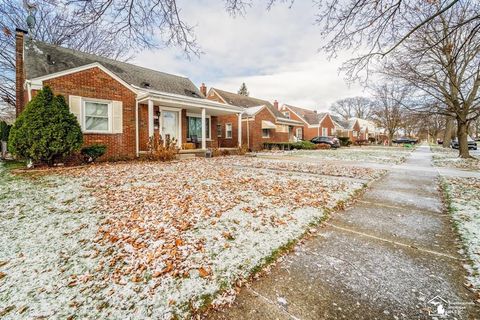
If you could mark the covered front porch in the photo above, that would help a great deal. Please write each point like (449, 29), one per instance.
(191, 122)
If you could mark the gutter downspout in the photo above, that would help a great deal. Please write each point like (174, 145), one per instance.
(137, 146)
(248, 133)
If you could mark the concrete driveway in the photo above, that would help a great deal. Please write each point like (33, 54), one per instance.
(393, 255)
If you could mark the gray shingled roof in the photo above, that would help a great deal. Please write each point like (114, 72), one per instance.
(247, 102)
(43, 59)
(342, 122)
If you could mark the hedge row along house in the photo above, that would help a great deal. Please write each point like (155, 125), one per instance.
(119, 104)
(261, 121)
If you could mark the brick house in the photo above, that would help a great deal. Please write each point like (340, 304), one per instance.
(119, 104)
(348, 128)
(313, 123)
(261, 121)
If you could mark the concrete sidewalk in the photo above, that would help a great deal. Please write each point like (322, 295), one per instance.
(386, 257)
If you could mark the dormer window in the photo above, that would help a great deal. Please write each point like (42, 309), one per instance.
(286, 114)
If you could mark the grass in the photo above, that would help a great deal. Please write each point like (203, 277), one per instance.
(448, 204)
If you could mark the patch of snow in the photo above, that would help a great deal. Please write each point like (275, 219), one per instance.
(464, 195)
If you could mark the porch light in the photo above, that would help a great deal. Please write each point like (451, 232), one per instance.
(158, 113)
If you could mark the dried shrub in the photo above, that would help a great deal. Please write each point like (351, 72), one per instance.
(322, 146)
(242, 150)
(160, 150)
(216, 152)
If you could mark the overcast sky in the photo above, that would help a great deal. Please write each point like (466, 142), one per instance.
(274, 52)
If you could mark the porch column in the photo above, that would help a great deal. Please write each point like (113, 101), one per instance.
(150, 118)
(204, 129)
(239, 130)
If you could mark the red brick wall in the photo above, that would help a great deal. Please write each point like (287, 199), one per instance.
(255, 131)
(327, 122)
(223, 142)
(94, 83)
(143, 127)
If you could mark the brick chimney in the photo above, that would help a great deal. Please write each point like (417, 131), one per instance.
(203, 89)
(19, 70)
(275, 104)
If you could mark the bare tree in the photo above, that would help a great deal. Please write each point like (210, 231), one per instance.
(111, 28)
(447, 135)
(376, 28)
(7, 113)
(355, 107)
(388, 110)
(442, 62)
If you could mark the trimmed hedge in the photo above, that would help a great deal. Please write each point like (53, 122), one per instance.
(93, 152)
(301, 145)
(344, 141)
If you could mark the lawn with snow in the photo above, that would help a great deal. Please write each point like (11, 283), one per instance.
(374, 154)
(464, 197)
(159, 240)
(447, 157)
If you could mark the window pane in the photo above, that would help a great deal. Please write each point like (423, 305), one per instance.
(96, 116)
(96, 124)
(195, 127)
(96, 109)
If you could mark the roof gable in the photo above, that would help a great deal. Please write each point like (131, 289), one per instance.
(43, 59)
(310, 117)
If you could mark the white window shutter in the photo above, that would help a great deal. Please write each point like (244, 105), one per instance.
(75, 105)
(117, 112)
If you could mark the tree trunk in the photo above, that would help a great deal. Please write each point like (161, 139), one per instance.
(462, 133)
(390, 138)
(447, 136)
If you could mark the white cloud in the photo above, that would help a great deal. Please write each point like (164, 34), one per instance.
(274, 52)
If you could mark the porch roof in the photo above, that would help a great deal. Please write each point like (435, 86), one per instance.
(189, 103)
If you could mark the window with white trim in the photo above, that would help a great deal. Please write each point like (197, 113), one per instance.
(265, 133)
(195, 126)
(324, 132)
(228, 131)
(299, 133)
(286, 114)
(97, 116)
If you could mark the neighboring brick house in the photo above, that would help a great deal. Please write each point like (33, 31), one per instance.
(348, 128)
(314, 123)
(261, 121)
(118, 104)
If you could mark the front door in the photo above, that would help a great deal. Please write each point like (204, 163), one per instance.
(170, 124)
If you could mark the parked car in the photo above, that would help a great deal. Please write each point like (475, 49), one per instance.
(405, 140)
(331, 141)
(471, 143)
